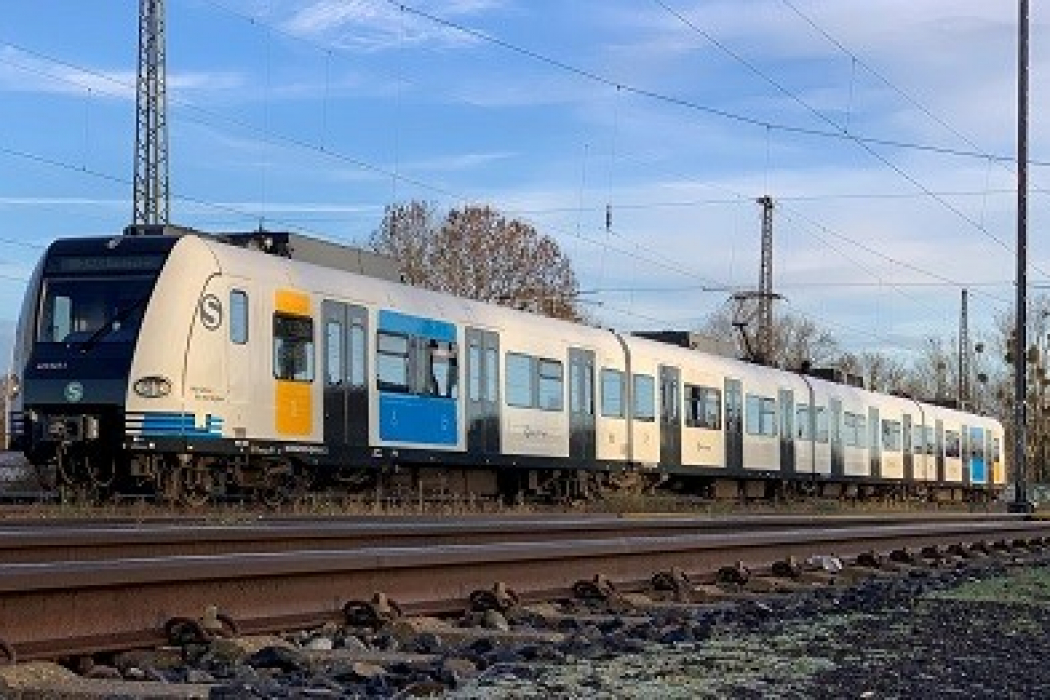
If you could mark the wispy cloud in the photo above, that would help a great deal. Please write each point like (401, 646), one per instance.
(376, 25)
(25, 72)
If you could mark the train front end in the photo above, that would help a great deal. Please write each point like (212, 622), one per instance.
(74, 346)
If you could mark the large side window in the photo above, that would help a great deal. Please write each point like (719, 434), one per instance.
(891, 435)
(760, 415)
(293, 347)
(392, 362)
(855, 430)
(703, 407)
(519, 380)
(551, 385)
(644, 397)
(238, 316)
(612, 393)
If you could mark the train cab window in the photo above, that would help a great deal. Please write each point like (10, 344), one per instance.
(760, 415)
(519, 380)
(392, 362)
(550, 386)
(703, 407)
(443, 370)
(293, 348)
(891, 435)
(612, 393)
(952, 444)
(644, 397)
(238, 316)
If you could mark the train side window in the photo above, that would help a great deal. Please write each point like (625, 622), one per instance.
(392, 362)
(238, 316)
(551, 393)
(333, 343)
(357, 355)
(293, 348)
(443, 370)
(703, 407)
(490, 374)
(474, 380)
(952, 444)
(822, 424)
(644, 397)
(612, 393)
(760, 415)
(855, 430)
(519, 380)
(891, 435)
(802, 421)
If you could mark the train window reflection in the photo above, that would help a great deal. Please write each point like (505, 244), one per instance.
(106, 311)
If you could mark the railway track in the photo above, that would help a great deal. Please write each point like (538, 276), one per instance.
(26, 542)
(81, 605)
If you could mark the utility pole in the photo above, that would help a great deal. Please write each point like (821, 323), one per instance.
(765, 282)
(1021, 504)
(964, 354)
(151, 121)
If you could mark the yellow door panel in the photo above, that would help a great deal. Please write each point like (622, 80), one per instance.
(294, 408)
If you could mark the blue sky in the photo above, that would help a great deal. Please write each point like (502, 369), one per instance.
(312, 115)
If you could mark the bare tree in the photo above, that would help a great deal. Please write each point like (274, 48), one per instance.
(796, 339)
(880, 371)
(478, 253)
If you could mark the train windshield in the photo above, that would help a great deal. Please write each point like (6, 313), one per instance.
(89, 311)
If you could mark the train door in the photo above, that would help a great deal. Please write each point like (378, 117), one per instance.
(670, 417)
(964, 452)
(582, 437)
(908, 449)
(874, 443)
(239, 368)
(734, 425)
(787, 431)
(483, 420)
(977, 464)
(345, 372)
(835, 435)
(939, 449)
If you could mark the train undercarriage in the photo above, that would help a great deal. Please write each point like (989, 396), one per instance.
(194, 481)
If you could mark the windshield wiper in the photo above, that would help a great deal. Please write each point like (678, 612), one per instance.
(110, 324)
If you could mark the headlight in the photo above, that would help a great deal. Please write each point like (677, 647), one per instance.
(13, 385)
(152, 387)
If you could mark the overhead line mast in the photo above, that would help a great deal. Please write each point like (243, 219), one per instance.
(152, 200)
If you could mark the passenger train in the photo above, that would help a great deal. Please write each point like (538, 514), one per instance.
(191, 365)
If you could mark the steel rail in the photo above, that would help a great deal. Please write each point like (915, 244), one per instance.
(45, 542)
(64, 608)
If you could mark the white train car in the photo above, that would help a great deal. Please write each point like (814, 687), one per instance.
(195, 365)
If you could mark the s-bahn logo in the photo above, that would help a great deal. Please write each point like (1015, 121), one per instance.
(211, 312)
(74, 392)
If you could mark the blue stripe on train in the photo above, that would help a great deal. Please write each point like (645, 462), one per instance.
(417, 325)
(167, 424)
(426, 420)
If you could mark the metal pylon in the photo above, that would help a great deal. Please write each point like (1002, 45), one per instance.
(151, 122)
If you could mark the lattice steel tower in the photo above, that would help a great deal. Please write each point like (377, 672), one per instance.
(151, 122)
(964, 353)
(765, 283)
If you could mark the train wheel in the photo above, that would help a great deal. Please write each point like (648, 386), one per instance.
(282, 484)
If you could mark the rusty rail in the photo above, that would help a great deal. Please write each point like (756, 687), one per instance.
(56, 609)
(65, 541)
